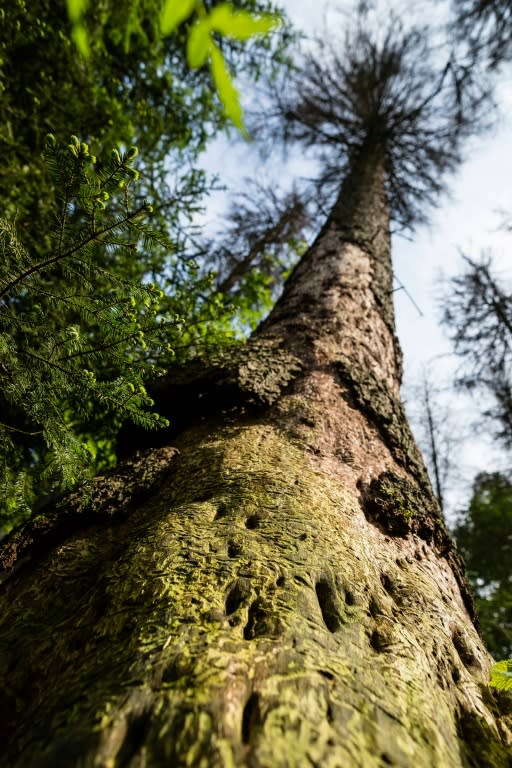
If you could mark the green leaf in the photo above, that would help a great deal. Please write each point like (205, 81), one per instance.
(173, 13)
(501, 675)
(240, 24)
(81, 40)
(228, 94)
(198, 44)
(76, 9)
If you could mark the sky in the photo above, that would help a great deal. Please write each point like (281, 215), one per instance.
(467, 220)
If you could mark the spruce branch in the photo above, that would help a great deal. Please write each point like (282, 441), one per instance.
(93, 237)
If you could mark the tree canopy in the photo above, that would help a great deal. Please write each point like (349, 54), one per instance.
(483, 26)
(99, 280)
(386, 86)
(278, 584)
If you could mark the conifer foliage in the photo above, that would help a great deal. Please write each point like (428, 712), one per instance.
(81, 325)
(77, 337)
(484, 27)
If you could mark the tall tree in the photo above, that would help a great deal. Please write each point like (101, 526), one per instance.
(278, 587)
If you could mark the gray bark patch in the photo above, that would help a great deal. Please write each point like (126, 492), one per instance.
(379, 641)
(464, 650)
(390, 586)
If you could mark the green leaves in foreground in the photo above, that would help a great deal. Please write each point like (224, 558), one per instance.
(222, 21)
(173, 13)
(76, 13)
(201, 47)
(226, 88)
(501, 675)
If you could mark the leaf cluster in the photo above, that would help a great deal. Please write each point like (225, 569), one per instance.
(136, 87)
(501, 675)
(202, 47)
(221, 20)
(97, 288)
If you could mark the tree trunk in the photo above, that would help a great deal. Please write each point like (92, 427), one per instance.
(277, 589)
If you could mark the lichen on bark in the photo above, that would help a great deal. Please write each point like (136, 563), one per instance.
(387, 413)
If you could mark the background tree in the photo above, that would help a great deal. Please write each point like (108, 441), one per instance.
(261, 240)
(277, 587)
(484, 537)
(478, 315)
(335, 101)
(436, 431)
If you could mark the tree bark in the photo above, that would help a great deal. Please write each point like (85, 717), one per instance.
(277, 589)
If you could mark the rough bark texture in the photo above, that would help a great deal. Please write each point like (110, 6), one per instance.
(286, 593)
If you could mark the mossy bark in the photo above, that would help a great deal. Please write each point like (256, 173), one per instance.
(277, 589)
(249, 613)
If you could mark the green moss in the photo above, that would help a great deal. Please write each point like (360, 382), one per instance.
(109, 496)
(400, 508)
(226, 621)
(400, 493)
